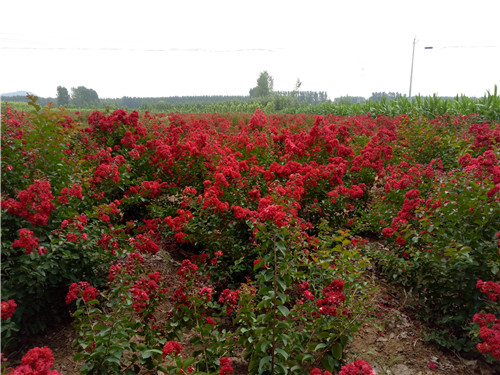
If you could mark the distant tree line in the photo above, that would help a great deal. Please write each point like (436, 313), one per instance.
(81, 97)
(262, 95)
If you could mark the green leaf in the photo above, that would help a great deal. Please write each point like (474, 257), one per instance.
(282, 297)
(264, 361)
(321, 345)
(337, 350)
(323, 335)
(306, 357)
(281, 283)
(282, 352)
(261, 346)
(284, 369)
(328, 363)
(281, 246)
(284, 310)
(189, 361)
(268, 275)
(113, 360)
(494, 269)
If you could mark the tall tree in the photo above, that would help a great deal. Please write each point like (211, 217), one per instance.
(296, 89)
(265, 85)
(62, 96)
(82, 97)
(298, 84)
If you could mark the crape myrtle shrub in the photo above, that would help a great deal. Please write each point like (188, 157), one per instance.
(442, 220)
(80, 194)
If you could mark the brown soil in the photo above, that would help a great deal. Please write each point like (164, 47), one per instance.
(391, 342)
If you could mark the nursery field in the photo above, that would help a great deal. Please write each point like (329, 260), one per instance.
(246, 243)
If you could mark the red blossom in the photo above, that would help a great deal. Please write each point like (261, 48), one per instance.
(145, 244)
(358, 367)
(187, 269)
(26, 240)
(229, 298)
(82, 289)
(225, 366)
(35, 204)
(490, 288)
(114, 270)
(489, 332)
(206, 293)
(317, 371)
(210, 321)
(308, 294)
(172, 347)
(37, 361)
(400, 240)
(388, 232)
(8, 309)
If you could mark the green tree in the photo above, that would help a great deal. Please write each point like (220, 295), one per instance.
(298, 84)
(62, 96)
(388, 96)
(265, 86)
(82, 97)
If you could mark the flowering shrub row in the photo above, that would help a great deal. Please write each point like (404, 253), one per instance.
(443, 224)
(268, 205)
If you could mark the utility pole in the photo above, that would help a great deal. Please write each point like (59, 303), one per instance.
(412, 58)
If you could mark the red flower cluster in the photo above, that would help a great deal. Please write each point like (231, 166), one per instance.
(230, 299)
(206, 293)
(106, 172)
(225, 366)
(304, 288)
(187, 269)
(8, 309)
(172, 347)
(144, 290)
(114, 270)
(107, 124)
(490, 288)
(388, 232)
(82, 289)
(483, 166)
(152, 189)
(489, 332)
(34, 205)
(74, 191)
(179, 223)
(37, 361)
(145, 244)
(333, 298)
(211, 199)
(26, 240)
(258, 120)
(358, 367)
(484, 135)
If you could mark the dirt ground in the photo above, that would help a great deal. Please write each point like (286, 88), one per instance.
(393, 343)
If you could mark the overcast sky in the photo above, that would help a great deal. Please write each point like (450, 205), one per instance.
(211, 47)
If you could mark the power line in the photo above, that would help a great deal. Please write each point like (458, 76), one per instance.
(142, 49)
